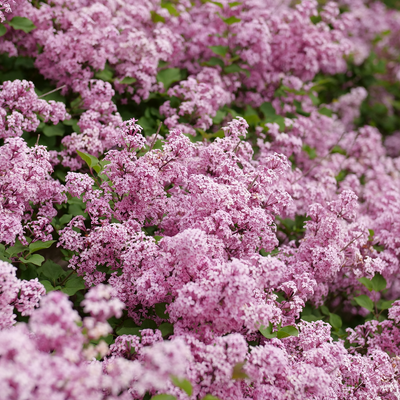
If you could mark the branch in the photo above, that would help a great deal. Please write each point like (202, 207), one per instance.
(155, 137)
(52, 91)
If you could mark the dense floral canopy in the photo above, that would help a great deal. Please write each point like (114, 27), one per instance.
(200, 200)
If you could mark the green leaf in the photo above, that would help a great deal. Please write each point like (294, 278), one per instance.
(280, 121)
(157, 239)
(148, 324)
(169, 76)
(114, 322)
(47, 285)
(103, 163)
(268, 110)
(338, 149)
(28, 272)
(90, 160)
(312, 154)
(267, 332)
(171, 9)
(325, 310)
(220, 50)
(54, 130)
(295, 91)
(230, 69)
(75, 209)
(213, 61)
(183, 384)
(335, 321)
(73, 285)
(70, 122)
(65, 219)
(105, 75)
(314, 99)
(36, 259)
(51, 270)
(22, 24)
(231, 20)
(128, 80)
(234, 3)
(166, 329)
(129, 331)
(384, 305)
(366, 282)
(210, 397)
(378, 247)
(219, 117)
(371, 235)
(325, 111)
(252, 119)
(238, 372)
(146, 124)
(156, 17)
(321, 82)
(73, 123)
(163, 397)
(299, 108)
(39, 245)
(341, 175)
(220, 5)
(3, 30)
(160, 310)
(364, 301)
(310, 318)
(378, 282)
(75, 103)
(287, 331)
(16, 249)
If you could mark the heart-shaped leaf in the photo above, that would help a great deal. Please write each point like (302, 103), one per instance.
(36, 259)
(22, 24)
(364, 301)
(378, 282)
(39, 245)
(287, 331)
(183, 384)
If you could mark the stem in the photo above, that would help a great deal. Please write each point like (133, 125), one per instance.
(252, 183)
(66, 278)
(155, 137)
(348, 244)
(52, 91)
(237, 146)
(162, 166)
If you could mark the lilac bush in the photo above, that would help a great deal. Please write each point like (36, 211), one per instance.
(200, 200)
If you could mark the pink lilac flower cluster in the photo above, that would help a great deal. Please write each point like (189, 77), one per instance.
(28, 191)
(214, 206)
(20, 107)
(261, 37)
(6, 6)
(98, 125)
(201, 96)
(84, 37)
(199, 238)
(15, 293)
(49, 356)
(271, 41)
